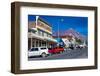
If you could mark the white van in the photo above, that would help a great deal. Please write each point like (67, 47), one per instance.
(38, 51)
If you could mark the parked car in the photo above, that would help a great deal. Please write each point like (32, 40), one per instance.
(56, 50)
(81, 46)
(71, 46)
(78, 47)
(51, 50)
(38, 51)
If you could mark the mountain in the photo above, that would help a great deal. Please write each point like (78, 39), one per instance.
(70, 32)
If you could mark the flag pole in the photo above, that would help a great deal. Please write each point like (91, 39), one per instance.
(37, 20)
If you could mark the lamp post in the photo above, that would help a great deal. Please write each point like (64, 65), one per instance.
(61, 20)
(58, 32)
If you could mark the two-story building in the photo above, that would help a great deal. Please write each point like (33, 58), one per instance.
(40, 34)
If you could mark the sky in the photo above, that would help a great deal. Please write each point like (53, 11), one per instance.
(79, 24)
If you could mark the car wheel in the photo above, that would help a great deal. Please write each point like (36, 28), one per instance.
(44, 55)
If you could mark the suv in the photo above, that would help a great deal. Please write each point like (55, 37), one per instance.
(38, 52)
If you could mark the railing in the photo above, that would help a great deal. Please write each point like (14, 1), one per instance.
(32, 35)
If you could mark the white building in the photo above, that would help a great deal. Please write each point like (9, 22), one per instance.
(40, 34)
(67, 40)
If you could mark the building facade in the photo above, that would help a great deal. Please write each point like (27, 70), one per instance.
(66, 41)
(40, 34)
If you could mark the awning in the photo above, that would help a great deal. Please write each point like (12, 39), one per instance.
(50, 39)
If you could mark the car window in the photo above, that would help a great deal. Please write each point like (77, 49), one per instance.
(34, 49)
(50, 48)
(43, 48)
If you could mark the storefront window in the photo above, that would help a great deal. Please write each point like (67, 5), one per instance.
(43, 44)
(33, 44)
(36, 43)
(39, 43)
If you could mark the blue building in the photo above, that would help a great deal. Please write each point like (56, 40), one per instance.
(60, 42)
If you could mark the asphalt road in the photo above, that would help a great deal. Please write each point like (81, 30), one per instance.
(67, 54)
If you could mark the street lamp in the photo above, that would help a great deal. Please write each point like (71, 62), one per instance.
(61, 20)
(58, 32)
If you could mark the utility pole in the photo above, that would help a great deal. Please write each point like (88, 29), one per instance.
(58, 32)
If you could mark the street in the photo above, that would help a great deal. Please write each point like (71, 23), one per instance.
(67, 54)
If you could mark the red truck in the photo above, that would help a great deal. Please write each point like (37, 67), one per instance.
(56, 50)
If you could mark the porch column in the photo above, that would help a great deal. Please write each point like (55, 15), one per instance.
(31, 42)
(34, 43)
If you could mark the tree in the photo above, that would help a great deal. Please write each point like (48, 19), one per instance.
(79, 41)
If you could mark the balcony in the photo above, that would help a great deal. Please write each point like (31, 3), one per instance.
(32, 35)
